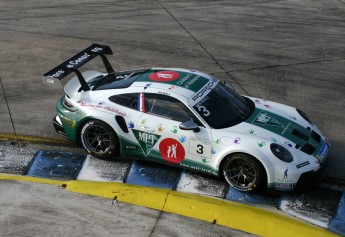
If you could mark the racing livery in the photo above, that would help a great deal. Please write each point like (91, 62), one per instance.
(188, 119)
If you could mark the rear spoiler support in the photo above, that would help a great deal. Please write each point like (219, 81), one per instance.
(78, 60)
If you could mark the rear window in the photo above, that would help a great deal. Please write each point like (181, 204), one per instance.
(127, 100)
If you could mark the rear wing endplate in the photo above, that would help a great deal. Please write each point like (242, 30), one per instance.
(54, 76)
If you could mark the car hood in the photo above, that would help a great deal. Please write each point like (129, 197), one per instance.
(282, 124)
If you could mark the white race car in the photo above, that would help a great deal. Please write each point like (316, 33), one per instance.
(187, 119)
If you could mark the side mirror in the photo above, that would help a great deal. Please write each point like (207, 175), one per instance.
(190, 125)
(229, 85)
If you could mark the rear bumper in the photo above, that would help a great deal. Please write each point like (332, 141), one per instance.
(58, 126)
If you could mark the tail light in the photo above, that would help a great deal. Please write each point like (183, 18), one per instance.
(67, 104)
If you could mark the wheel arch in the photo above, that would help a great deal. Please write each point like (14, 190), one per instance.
(261, 158)
(80, 125)
(88, 119)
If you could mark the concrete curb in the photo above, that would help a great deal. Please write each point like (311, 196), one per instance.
(250, 219)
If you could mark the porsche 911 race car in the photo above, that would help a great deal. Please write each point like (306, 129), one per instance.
(188, 119)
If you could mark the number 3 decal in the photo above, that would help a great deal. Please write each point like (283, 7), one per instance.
(204, 110)
(200, 150)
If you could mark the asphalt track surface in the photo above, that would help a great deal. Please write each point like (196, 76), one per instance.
(286, 51)
(42, 210)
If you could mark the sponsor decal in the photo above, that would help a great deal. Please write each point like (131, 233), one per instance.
(74, 63)
(285, 178)
(171, 150)
(286, 173)
(164, 76)
(160, 127)
(113, 110)
(131, 147)
(273, 139)
(288, 144)
(58, 73)
(237, 140)
(251, 132)
(96, 49)
(217, 141)
(131, 124)
(213, 151)
(69, 122)
(261, 144)
(101, 106)
(286, 128)
(183, 139)
(175, 130)
(163, 93)
(187, 81)
(323, 152)
(264, 118)
(302, 164)
(198, 166)
(284, 185)
(146, 140)
(204, 90)
(204, 159)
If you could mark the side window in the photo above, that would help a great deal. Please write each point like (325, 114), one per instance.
(168, 107)
(128, 100)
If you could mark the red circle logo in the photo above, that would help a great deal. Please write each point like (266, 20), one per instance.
(171, 150)
(164, 76)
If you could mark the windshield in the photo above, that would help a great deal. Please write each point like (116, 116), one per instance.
(223, 107)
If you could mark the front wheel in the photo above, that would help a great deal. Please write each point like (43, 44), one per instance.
(244, 172)
(99, 139)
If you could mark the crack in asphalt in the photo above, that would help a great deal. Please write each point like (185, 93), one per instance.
(288, 65)
(202, 47)
(159, 217)
(9, 111)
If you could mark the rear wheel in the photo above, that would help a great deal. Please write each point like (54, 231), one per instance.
(244, 172)
(99, 139)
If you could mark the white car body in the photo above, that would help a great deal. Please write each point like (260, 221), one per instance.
(161, 139)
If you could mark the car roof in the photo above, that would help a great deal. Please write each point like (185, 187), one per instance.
(161, 80)
(181, 81)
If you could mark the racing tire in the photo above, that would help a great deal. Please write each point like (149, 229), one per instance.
(244, 173)
(99, 139)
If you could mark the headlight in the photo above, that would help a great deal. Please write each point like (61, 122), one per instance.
(304, 115)
(281, 152)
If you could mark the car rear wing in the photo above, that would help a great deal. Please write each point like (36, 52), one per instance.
(54, 76)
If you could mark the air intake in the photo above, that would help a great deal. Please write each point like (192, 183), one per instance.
(316, 136)
(300, 135)
(309, 149)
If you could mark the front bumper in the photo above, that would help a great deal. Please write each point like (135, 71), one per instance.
(311, 179)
